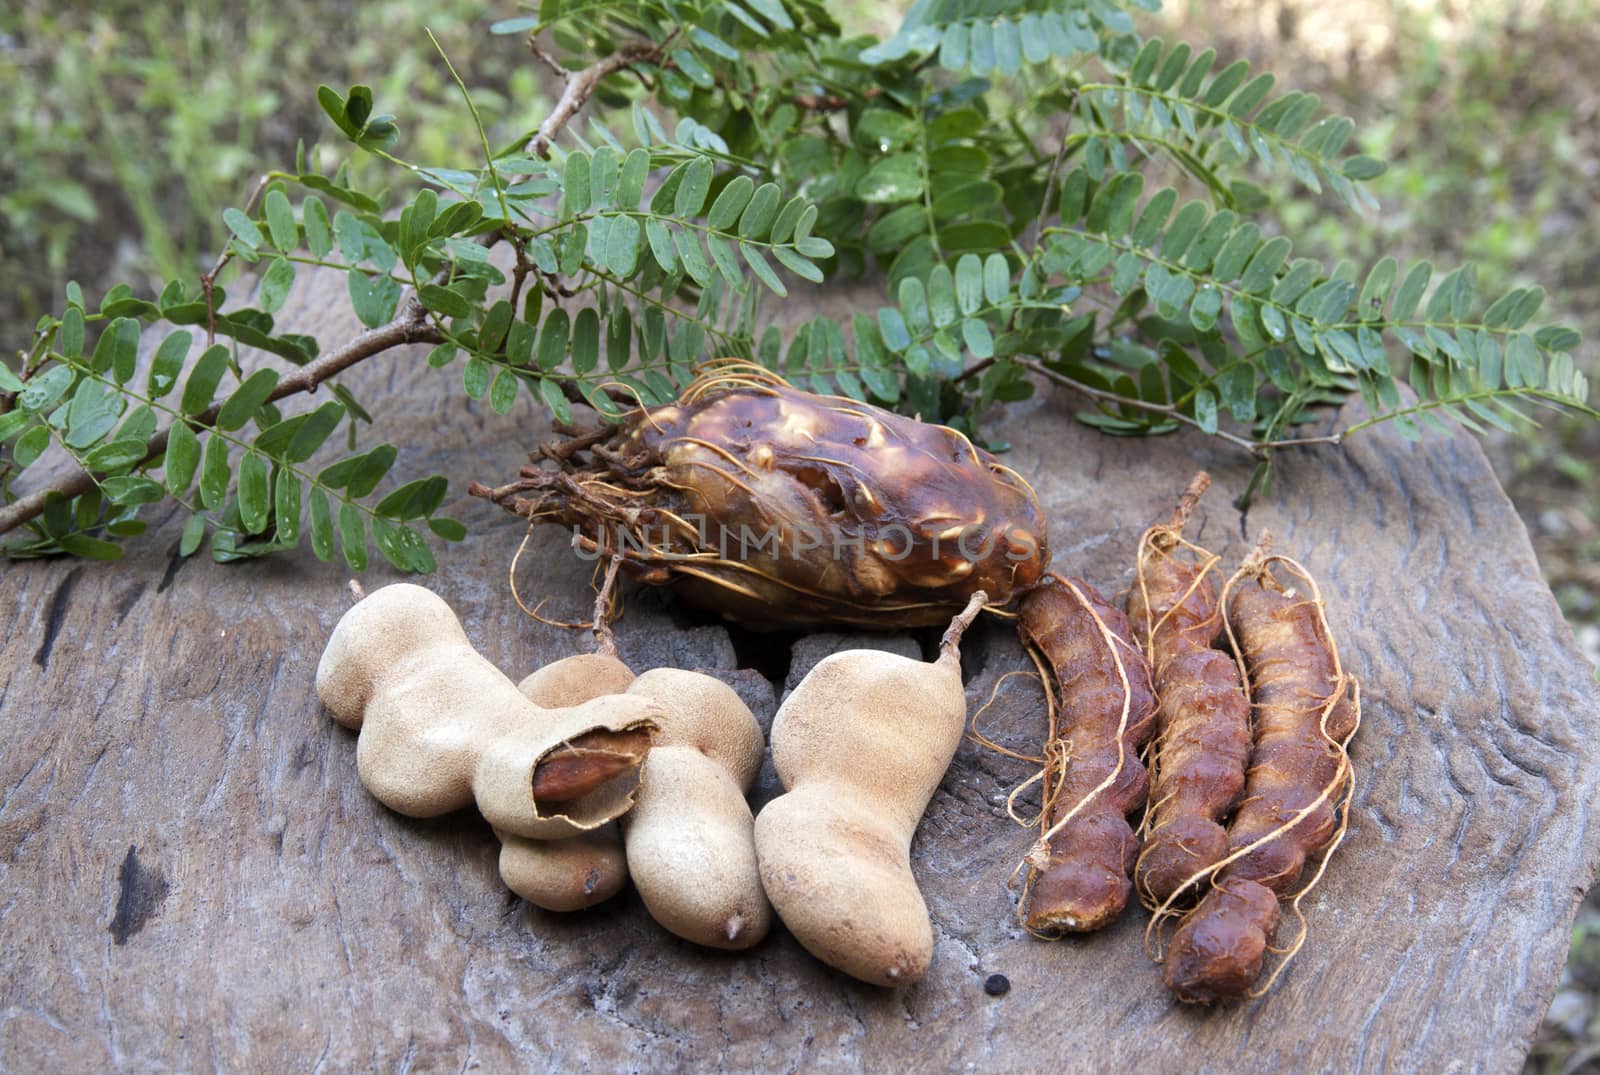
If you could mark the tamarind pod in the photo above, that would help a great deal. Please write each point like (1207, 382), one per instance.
(573, 680)
(582, 870)
(860, 746)
(441, 728)
(1203, 737)
(778, 507)
(1299, 772)
(1078, 873)
(1297, 690)
(690, 838)
(564, 875)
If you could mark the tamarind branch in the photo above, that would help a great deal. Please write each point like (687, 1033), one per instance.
(581, 86)
(409, 326)
(1258, 448)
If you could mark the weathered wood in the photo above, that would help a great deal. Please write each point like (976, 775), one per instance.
(192, 877)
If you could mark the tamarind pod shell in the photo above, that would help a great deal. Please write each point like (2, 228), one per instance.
(504, 782)
(702, 712)
(818, 510)
(1217, 950)
(690, 837)
(413, 621)
(564, 875)
(861, 745)
(695, 868)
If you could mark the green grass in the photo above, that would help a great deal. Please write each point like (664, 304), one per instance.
(129, 127)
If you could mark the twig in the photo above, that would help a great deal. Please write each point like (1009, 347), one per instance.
(545, 58)
(832, 102)
(581, 86)
(605, 639)
(208, 282)
(410, 326)
(1258, 448)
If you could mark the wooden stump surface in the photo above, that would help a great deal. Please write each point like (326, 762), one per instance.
(192, 877)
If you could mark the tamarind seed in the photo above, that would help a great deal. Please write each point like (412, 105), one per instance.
(997, 985)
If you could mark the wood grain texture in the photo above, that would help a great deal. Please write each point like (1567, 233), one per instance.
(192, 877)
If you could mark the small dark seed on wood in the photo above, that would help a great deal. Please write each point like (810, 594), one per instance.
(997, 985)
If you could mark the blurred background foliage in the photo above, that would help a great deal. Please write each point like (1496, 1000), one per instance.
(128, 126)
(1489, 114)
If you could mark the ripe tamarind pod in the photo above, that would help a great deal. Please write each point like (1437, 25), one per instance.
(441, 728)
(1078, 869)
(690, 836)
(1306, 708)
(1203, 724)
(582, 870)
(861, 745)
(574, 680)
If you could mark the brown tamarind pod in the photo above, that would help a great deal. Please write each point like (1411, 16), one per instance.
(1203, 728)
(1078, 870)
(777, 507)
(1306, 708)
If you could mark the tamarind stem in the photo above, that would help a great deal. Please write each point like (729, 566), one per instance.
(950, 643)
(605, 641)
(1186, 502)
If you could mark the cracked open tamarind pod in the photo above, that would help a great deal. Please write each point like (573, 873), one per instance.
(861, 745)
(780, 508)
(582, 870)
(441, 728)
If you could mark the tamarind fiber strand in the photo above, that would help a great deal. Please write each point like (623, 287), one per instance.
(1297, 790)
(1202, 739)
(1078, 869)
